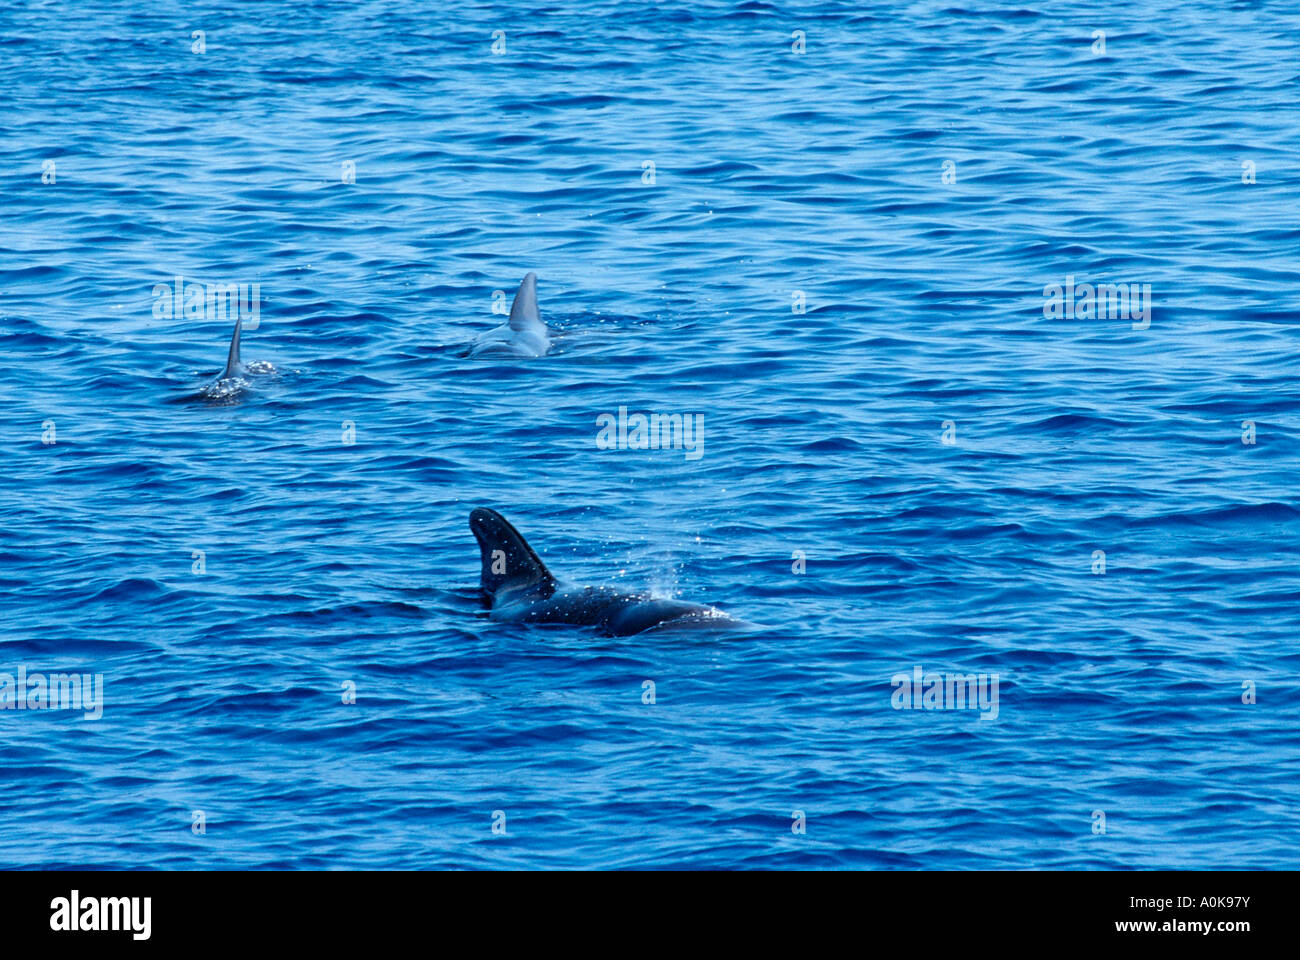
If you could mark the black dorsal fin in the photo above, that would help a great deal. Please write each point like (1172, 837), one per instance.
(233, 366)
(506, 556)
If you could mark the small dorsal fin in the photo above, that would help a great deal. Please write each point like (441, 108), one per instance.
(233, 366)
(524, 312)
(506, 556)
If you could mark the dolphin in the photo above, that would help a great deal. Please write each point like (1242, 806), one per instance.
(518, 588)
(235, 376)
(523, 335)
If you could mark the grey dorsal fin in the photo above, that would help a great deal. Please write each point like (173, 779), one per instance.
(506, 556)
(524, 312)
(233, 365)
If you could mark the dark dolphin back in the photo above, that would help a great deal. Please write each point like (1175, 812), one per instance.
(506, 556)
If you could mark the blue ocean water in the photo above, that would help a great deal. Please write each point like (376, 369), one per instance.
(828, 229)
